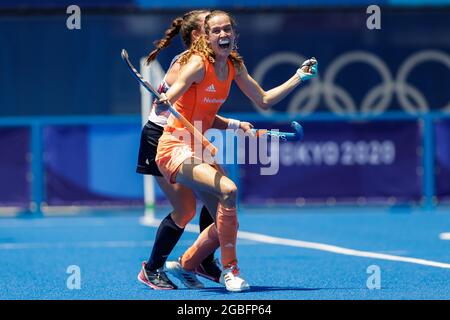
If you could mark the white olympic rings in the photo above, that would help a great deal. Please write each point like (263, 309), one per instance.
(376, 101)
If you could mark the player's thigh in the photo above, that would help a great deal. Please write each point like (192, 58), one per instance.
(205, 178)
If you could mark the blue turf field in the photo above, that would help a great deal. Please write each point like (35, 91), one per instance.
(108, 248)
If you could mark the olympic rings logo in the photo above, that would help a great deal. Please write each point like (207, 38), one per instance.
(376, 101)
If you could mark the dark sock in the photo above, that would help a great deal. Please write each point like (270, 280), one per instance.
(167, 237)
(205, 221)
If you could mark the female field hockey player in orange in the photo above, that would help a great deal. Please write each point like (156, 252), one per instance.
(207, 70)
(190, 26)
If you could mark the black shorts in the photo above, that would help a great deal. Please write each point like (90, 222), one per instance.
(147, 149)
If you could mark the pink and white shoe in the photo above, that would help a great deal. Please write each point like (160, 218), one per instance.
(156, 280)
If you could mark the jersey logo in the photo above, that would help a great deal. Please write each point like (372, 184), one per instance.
(211, 88)
(213, 100)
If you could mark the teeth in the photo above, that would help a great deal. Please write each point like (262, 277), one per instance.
(224, 41)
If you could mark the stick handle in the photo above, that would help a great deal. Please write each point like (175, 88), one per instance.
(197, 134)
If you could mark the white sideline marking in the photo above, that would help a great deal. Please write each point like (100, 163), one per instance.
(314, 245)
(338, 250)
(444, 236)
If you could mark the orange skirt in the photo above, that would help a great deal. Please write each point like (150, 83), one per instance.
(171, 154)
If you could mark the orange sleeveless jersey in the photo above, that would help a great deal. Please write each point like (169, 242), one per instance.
(200, 102)
(203, 100)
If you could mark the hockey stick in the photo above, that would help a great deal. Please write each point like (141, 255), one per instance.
(297, 135)
(197, 134)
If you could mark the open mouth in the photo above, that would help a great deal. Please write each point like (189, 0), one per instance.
(224, 43)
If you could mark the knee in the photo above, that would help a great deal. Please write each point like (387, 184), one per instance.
(229, 194)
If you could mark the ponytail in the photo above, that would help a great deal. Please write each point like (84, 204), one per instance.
(163, 43)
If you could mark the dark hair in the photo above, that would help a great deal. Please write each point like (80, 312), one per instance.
(186, 24)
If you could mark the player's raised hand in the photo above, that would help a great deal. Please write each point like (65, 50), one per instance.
(308, 69)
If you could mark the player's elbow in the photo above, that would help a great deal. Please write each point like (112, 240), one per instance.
(264, 104)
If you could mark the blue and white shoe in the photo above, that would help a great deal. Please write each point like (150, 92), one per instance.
(188, 278)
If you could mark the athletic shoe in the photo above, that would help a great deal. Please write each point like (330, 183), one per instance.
(188, 278)
(210, 270)
(230, 278)
(156, 280)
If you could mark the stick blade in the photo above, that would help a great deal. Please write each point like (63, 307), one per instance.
(298, 129)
